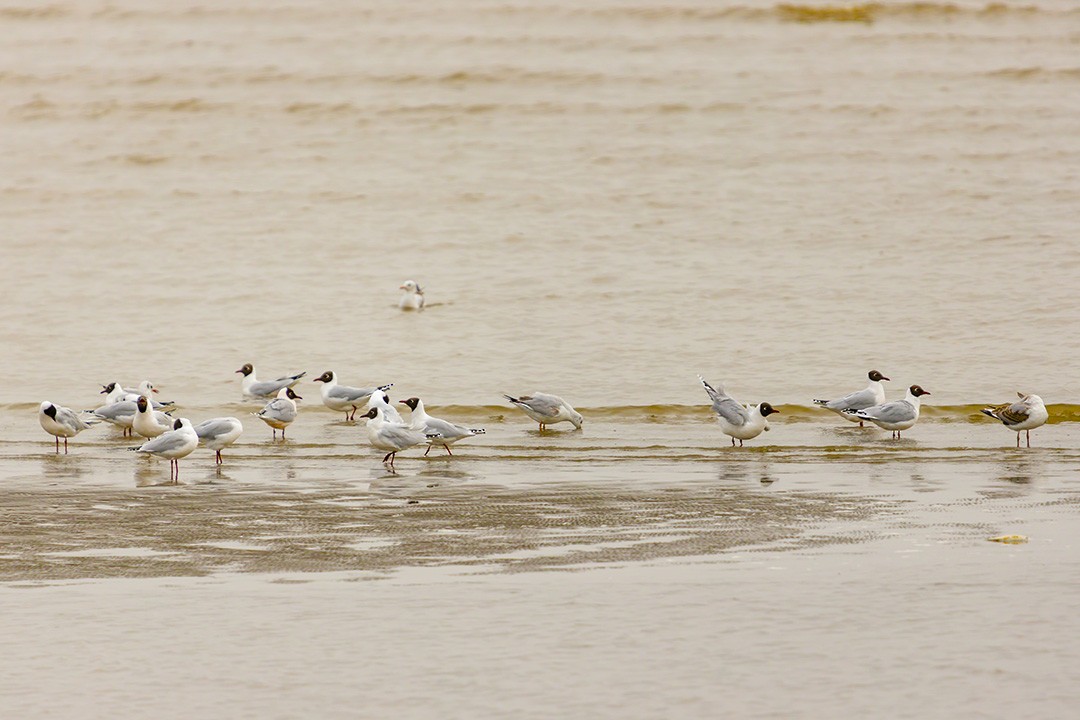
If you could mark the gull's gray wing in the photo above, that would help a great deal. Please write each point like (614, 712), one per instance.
(893, 412)
(166, 442)
(216, 427)
(350, 394)
(855, 401)
(731, 411)
(268, 387)
(401, 436)
(445, 430)
(725, 406)
(279, 409)
(115, 411)
(541, 403)
(68, 418)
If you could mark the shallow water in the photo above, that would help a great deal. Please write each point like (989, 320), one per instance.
(601, 201)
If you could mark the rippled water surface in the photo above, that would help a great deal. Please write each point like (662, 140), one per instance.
(602, 200)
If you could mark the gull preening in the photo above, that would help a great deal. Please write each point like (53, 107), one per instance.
(148, 422)
(218, 433)
(896, 416)
(253, 388)
(62, 422)
(737, 421)
(872, 394)
(280, 412)
(413, 297)
(175, 444)
(1023, 416)
(447, 433)
(382, 401)
(391, 436)
(341, 397)
(547, 409)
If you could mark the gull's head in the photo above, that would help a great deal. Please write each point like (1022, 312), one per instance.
(49, 409)
(106, 389)
(246, 370)
(917, 391)
(179, 423)
(326, 377)
(411, 402)
(372, 413)
(1030, 400)
(576, 419)
(766, 409)
(411, 286)
(875, 376)
(146, 387)
(142, 403)
(291, 395)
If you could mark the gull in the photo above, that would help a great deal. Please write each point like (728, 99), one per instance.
(280, 411)
(547, 409)
(61, 422)
(174, 444)
(413, 297)
(1023, 416)
(120, 414)
(114, 393)
(382, 401)
(253, 388)
(219, 433)
(392, 436)
(895, 416)
(873, 394)
(340, 397)
(448, 433)
(148, 422)
(742, 423)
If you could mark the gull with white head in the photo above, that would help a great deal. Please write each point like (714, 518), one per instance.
(413, 296)
(547, 409)
(1022, 417)
(62, 422)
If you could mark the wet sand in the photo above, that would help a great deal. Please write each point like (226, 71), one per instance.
(637, 569)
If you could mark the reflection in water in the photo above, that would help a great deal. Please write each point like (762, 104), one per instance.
(61, 467)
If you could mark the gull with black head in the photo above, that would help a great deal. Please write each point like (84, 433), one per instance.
(281, 411)
(342, 397)
(254, 388)
(895, 416)
(737, 421)
(447, 433)
(872, 394)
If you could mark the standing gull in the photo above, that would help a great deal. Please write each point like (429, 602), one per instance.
(391, 436)
(413, 297)
(547, 409)
(149, 422)
(895, 416)
(219, 433)
(735, 420)
(254, 388)
(1023, 416)
(342, 397)
(280, 411)
(61, 422)
(872, 394)
(175, 444)
(447, 432)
